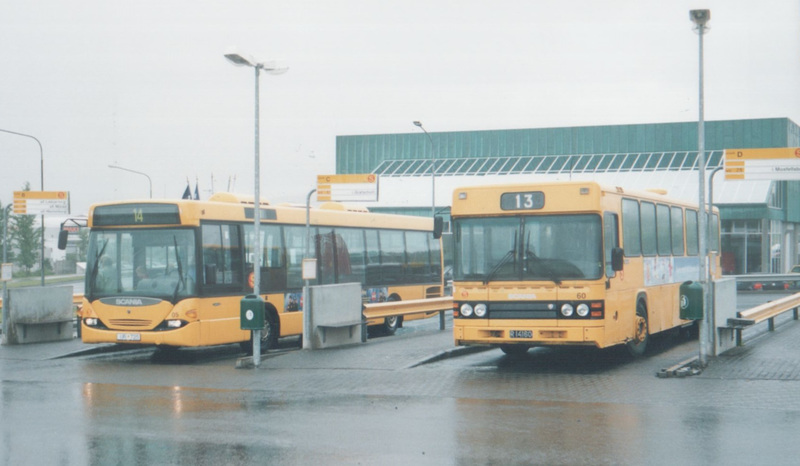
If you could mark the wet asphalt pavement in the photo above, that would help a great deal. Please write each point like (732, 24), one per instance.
(408, 399)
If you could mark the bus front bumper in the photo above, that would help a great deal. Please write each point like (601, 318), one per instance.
(527, 332)
(188, 335)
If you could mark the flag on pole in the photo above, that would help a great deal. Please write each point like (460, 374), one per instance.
(196, 190)
(187, 193)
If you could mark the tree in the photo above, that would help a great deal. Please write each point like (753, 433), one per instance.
(83, 243)
(26, 238)
(9, 249)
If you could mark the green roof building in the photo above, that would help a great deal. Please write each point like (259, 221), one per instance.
(760, 219)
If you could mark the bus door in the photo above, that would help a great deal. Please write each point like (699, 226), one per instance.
(616, 294)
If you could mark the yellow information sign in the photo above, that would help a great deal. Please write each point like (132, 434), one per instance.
(354, 187)
(41, 202)
(782, 163)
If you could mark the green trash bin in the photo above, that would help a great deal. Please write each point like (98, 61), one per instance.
(251, 313)
(691, 301)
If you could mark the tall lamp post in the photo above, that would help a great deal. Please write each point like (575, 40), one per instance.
(700, 18)
(240, 59)
(41, 176)
(433, 167)
(138, 173)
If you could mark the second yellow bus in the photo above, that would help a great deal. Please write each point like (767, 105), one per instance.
(571, 263)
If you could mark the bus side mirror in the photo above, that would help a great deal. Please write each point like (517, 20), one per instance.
(438, 226)
(617, 259)
(62, 239)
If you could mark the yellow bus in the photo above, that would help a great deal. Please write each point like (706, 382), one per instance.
(571, 263)
(173, 273)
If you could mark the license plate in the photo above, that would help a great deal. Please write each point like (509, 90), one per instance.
(520, 333)
(129, 337)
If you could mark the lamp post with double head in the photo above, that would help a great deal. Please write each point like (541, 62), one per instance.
(240, 59)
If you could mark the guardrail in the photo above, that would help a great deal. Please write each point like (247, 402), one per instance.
(764, 312)
(410, 307)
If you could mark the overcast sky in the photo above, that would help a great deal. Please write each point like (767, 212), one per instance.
(144, 85)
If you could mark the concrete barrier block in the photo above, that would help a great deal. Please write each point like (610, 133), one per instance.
(335, 315)
(39, 314)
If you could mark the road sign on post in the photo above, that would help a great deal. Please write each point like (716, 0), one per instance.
(782, 163)
(354, 187)
(41, 202)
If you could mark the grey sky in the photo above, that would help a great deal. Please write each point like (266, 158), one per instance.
(144, 84)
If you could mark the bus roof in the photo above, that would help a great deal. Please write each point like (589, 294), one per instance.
(233, 207)
(493, 199)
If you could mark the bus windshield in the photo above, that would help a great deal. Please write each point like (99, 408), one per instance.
(141, 262)
(547, 247)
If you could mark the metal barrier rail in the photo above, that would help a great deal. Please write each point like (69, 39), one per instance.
(410, 307)
(764, 312)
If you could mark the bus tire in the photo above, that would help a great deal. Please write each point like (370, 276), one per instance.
(390, 324)
(514, 350)
(638, 344)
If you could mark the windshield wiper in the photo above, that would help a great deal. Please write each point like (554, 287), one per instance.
(180, 272)
(512, 254)
(95, 267)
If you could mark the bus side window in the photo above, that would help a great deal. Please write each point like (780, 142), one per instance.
(222, 255)
(611, 240)
(631, 234)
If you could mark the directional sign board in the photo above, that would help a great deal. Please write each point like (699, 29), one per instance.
(41, 202)
(359, 188)
(781, 163)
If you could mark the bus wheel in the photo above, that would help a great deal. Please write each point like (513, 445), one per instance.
(390, 325)
(638, 345)
(269, 334)
(514, 350)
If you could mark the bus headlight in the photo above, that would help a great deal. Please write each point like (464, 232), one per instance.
(466, 310)
(582, 310)
(90, 321)
(480, 310)
(567, 310)
(173, 324)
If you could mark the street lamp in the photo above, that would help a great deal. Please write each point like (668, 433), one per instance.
(700, 18)
(240, 59)
(433, 168)
(41, 176)
(138, 173)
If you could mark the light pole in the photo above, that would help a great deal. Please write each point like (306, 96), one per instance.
(433, 168)
(41, 176)
(5, 210)
(700, 18)
(240, 59)
(138, 173)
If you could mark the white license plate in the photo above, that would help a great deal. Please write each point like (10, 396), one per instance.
(129, 337)
(520, 333)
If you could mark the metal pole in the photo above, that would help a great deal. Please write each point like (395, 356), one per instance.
(257, 228)
(307, 255)
(6, 210)
(433, 168)
(138, 173)
(41, 176)
(702, 223)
